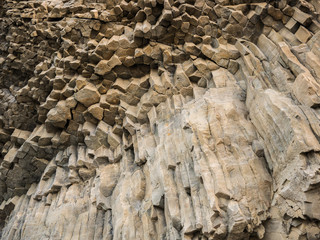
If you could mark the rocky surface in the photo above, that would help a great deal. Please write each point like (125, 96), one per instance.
(160, 119)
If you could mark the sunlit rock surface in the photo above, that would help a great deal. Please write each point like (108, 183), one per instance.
(160, 119)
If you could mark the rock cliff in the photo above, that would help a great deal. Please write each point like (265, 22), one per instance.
(159, 119)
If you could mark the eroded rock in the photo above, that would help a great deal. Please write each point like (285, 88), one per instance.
(159, 120)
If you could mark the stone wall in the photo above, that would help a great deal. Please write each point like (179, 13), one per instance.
(160, 119)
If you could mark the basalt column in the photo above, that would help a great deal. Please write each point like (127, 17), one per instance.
(159, 119)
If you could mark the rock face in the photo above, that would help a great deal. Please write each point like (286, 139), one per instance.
(160, 119)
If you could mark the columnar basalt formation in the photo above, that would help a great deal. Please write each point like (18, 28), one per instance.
(160, 119)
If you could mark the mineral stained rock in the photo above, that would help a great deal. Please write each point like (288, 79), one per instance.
(159, 119)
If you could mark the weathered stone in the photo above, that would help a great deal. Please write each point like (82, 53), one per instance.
(59, 115)
(292, 25)
(291, 60)
(88, 95)
(301, 17)
(303, 34)
(108, 179)
(96, 111)
(306, 89)
(159, 119)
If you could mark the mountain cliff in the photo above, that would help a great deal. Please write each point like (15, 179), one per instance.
(159, 119)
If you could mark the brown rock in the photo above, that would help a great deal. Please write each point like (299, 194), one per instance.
(59, 115)
(88, 95)
(303, 34)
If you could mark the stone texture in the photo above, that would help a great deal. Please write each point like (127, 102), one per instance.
(159, 120)
(88, 95)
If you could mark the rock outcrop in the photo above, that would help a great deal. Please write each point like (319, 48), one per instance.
(160, 119)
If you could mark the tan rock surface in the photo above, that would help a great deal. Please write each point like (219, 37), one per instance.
(159, 120)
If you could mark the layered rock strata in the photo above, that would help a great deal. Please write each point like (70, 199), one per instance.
(160, 119)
